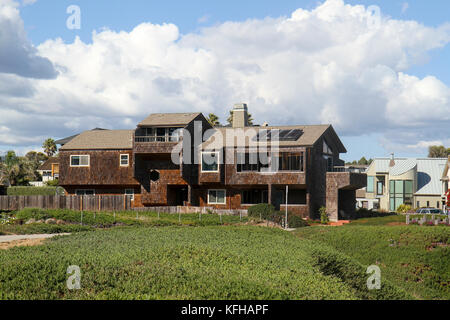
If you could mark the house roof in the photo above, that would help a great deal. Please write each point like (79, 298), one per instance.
(445, 175)
(67, 139)
(169, 119)
(47, 165)
(101, 140)
(429, 171)
(310, 135)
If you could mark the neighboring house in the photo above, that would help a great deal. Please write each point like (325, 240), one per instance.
(446, 185)
(156, 163)
(49, 170)
(411, 181)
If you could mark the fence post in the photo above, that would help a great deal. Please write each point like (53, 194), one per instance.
(158, 214)
(240, 216)
(137, 215)
(114, 217)
(81, 217)
(407, 218)
(220, 218)
(200, 216)
(179, 217)
(94, 215)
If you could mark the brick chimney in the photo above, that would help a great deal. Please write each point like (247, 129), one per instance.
(240, 115)
(392, 162)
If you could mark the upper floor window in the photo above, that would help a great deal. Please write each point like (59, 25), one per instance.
(370, 184)
(288, 161)
(252, 162)
(327, 149)
(124, 160)
(210, 161)
(80, 161)
(159, 135)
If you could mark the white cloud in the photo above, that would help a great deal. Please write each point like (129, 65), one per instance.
(325, 65)
(17, 54)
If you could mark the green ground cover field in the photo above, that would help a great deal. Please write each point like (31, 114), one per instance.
(160, 258)
(415, 258)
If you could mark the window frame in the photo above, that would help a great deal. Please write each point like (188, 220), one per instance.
(128, 160)
(224, 197)
(218, 162)
(372, 185)
(80, 155)
(130, 194)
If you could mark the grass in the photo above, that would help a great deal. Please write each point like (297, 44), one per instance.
(107, 219)
(415, 258)
(211, 262)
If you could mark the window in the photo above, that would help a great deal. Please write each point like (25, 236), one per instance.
(370, 184)
(85, 192)
(124, 160)
(254, 196)
(327, 149)
(216, 197)
(210, 161)
(79, 161)
(418, 204)
(400, 192)
(290, 161)
(380, 187)
(130, 192)
(437, 204)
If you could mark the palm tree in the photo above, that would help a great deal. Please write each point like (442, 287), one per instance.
(49, 147)
(230, 119)
(213, 120)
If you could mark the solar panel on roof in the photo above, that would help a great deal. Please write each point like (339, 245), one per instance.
(279, 135)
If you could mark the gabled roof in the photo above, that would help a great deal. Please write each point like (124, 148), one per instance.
(47, 165)
(169, 119)
(311, 134)
(101, 140)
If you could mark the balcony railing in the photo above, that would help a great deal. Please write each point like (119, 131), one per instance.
(346, 169)
(147, 139)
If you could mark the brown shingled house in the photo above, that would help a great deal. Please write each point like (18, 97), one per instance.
(163, 164)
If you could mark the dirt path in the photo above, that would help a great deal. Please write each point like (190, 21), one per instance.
(10, 241)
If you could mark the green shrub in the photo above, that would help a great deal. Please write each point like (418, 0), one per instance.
(324, 218)
(31, 191)
(52, 183)
(262, 210)
(296, 222)
(404, 208)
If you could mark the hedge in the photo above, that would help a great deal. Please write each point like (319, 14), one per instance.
(31, 191)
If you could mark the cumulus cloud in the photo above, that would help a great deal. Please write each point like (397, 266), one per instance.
(325, 65)
(17, 54)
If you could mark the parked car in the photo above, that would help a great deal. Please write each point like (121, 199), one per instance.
(429, 211)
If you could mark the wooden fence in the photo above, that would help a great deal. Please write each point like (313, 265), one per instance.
(80, 203)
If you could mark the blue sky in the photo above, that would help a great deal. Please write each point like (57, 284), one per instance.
(46, 19)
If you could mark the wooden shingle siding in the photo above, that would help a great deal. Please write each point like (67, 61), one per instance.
(104, 169)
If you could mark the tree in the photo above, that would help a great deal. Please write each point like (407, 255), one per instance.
(18, 171)
(438, 152)
(230, 119)
(363, 161)
(49, 147)
(213, 120)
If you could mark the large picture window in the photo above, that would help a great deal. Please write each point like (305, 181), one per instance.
(288, 161)
(85, 192)
(254, 196)
(79, 161)
(400, 192)
(252, 162)
(210, 161)
(216, 197)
